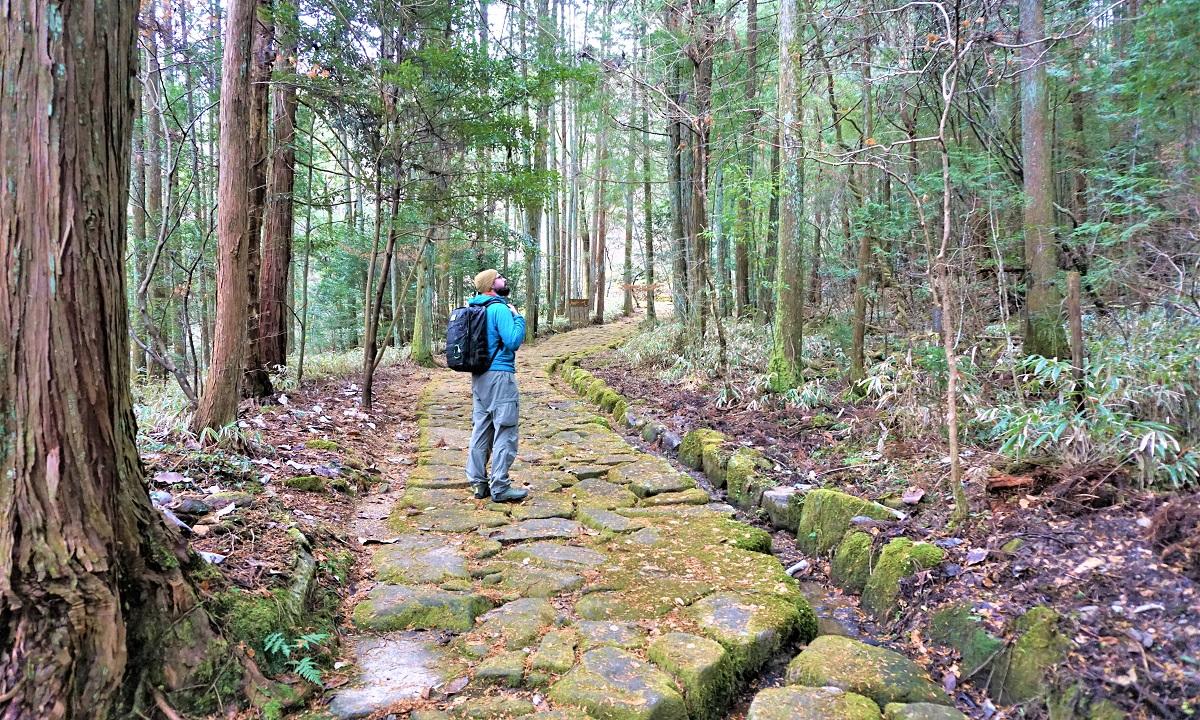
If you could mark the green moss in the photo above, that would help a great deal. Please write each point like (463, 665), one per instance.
(702, 667)
(826, 518)
(1075, 703)
(619, 410)
(714, 459)
(341, 485)
(250, 619)
(900, 558)
(691, 451)
(956, 626)
(739, 468)
(883, 675)
(307, 483)
(852, 562)
(1023, 671)
(322, 444)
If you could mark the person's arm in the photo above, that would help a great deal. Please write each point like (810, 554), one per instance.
(509, 325)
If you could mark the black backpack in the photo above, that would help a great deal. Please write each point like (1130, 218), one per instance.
(467, 339)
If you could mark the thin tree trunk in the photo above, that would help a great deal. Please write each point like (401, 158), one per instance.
(741, 263)
(862, 277)
(257, 382)
(647, 190)
(785, 366)
(274, 308)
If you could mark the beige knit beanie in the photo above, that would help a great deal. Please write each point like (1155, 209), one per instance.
(485, 280)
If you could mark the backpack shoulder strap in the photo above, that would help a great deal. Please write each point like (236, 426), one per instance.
(499, 345)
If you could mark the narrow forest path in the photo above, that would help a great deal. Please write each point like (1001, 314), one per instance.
(617, 590)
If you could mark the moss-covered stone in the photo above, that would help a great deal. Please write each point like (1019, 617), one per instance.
(399, 607)
(691, 496)
(783, 506)
(826, 518)
(554, 656)
(956, 626)
(878, 673)
(744, 477)
(307, 483)
(506, 669)
(1075, 703)
(612, 684)
(900, 558)
(691, 451)
(811, 703)
(492, 707)
(517, 624)
(703, 669)
(714, 460)
(920, 711)
(752, 627)
(322, 444)
(852, 562)
(1022, 672)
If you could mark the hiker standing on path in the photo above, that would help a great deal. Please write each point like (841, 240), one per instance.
(494, 394)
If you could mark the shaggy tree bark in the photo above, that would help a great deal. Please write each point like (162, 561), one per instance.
(273, 306)
(222, 390)
(97, 618)
(257, 382)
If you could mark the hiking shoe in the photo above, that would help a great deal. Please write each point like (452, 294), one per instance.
(510, 494)
(480, 490)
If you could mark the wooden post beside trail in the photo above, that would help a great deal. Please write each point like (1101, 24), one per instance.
(1075, 322)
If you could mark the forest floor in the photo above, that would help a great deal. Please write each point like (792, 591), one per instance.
(1119, 564)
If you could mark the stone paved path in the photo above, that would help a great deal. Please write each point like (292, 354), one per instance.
(616, 591)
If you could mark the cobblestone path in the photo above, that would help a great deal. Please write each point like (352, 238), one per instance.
(616, 591)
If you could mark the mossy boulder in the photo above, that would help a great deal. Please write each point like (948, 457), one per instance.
(400, 607)
(714, 460)
(745, 477)
(752, 626)
(957, 626)
(703, 669)
(783, 506)
(554, 656)
(1022, 672)
(811, 703)
(1076, 703)
(612, 684)
(851, 565)
(878, 673)
(691, 450)
(307, 483)
(900, 558)
(826, 518)
(921, 711)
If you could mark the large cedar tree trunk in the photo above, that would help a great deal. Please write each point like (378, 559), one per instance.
(95, 608)
(222, 390)
(273, 306)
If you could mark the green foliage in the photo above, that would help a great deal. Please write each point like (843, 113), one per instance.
(1102, 417)
(279, 645)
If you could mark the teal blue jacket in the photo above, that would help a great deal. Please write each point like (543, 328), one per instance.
(506, 332)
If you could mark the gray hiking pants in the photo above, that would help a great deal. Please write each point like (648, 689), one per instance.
(494, 434)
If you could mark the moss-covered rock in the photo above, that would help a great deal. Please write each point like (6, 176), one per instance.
(783, 506)
(956, 626)
(920, 711)
(826, 518)
(714, 460)
(307, 483)
(852, 562)
(691, 451)
(691, 496)
(554, 656)
(612, 684)
(878, 673)
(1022, 672)
(900, 558)
(492, 707)
(1075, 703)
(752, 627)
(703, 669)
(811, 703)
(517, 624)
(745, 477)
(399, 607)
(506, 669)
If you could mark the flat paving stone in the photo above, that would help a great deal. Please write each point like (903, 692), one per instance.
(459, 520)
(538, 582)
(559, 556)
(517, 623)
(601, 519)
(537, 529)
(691, 496)
(544, 505)
(595, 492)
(418, 559)
(613, 684)
(402, 607)
(594, 633)
(583, 472)
(883, 675)
(391, 670)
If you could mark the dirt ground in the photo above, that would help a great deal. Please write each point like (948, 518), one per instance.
(1119, 564)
